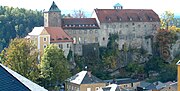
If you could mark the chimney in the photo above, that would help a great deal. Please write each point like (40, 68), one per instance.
(89, 74)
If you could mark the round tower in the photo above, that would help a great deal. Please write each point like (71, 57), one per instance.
(52, 18)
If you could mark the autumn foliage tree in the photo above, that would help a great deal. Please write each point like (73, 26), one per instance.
(54, 67)
(21, 56)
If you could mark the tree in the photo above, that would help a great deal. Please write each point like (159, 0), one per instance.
(79, 14)
(54, 67)
(21, 56)
(166, 19)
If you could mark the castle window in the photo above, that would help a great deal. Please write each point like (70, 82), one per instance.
(44, 46)
(133, 28)
(144, 25)
(74, 32)
(61, 46)
(96, 39)
(103, 39)
(133, 23)
(59, 39)
(127, 26)
(85, 31)
(45, 39)
(90, 31)
(67, 45)
(120, 26)
(139, 26)
(130, 19)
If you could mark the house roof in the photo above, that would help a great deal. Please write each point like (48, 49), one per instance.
(126, 15)
(178, 63)
(79, 23)
(12, 81)
(54, 7)
(57, 34)
(84, 77)
(36, 31)
(122, 81)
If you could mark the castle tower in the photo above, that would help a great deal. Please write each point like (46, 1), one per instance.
(52, 18)
(178, 75)
(118, 6)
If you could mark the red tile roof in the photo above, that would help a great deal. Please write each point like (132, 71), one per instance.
(57, 34)
(78, 23)
(126, 15)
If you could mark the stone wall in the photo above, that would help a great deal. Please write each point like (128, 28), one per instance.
(135, 34)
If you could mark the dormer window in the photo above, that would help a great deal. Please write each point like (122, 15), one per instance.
(150, 19)
(66, 39)
(73, 25)
(79, 25)
(130, 19)
(59, 39)
(93, 24)
(83, 25)
(140, 19)
(65, 25)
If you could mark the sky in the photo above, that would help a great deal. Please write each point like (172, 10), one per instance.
(159, 6)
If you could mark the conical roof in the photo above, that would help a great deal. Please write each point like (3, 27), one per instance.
(54, 7)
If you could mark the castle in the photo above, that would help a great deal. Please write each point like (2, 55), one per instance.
(135, 28)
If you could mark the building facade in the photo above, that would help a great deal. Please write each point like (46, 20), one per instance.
(135, 27)
(84, 81)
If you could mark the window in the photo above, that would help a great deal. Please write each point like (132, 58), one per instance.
(80, 32)
(85, 31)
(79, 40)
(97, 88)
(45, 39)
(45, 46)
(74, 32)
(127, 26)
(90, 31)
(103, 38)
(133, 28)
(96, 39)
(88, 89)
(61, 46)
(67, 45)
(133, 23)
(74, 40)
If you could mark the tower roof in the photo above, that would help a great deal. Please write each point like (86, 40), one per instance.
(117, 5)
(54, 7)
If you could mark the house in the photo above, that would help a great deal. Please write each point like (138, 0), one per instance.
(111, 87)
(43, 36)
(125, 83)
(82, 30)
(156, 86)
(135, 27)
(84, 81)
(170, 87)
(12, 81)
(178, 75)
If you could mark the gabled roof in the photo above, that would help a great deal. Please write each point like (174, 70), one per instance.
(84, 77)
(126, 15)
(12, 81)
(57, 34)
(78, 23)
(36, 31)
(54, 7)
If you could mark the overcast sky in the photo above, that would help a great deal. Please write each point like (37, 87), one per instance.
(159, 6)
